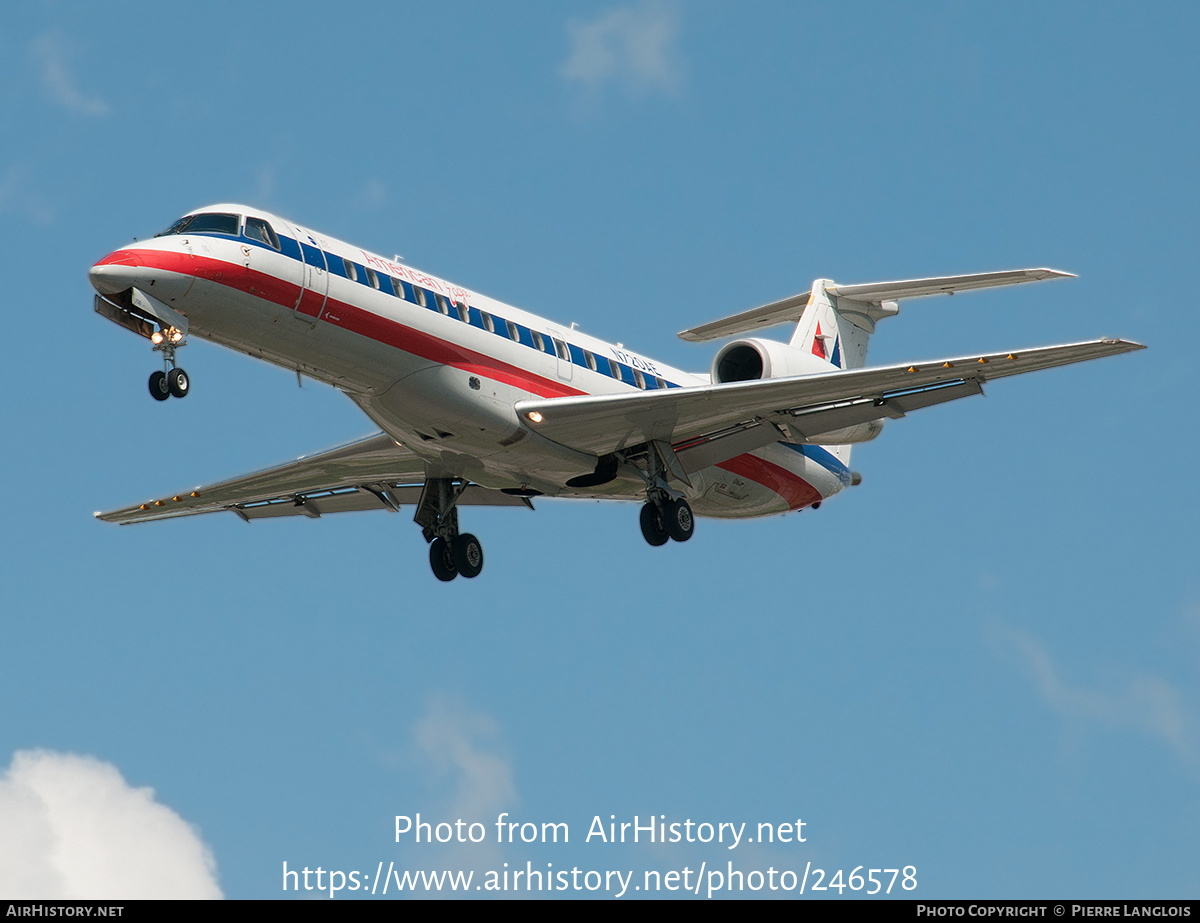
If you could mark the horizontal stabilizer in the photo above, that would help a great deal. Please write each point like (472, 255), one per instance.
(944, 285)
(777, 312)
(790, 309)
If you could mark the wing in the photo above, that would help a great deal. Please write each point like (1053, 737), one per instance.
(370, 474)
(709, 424)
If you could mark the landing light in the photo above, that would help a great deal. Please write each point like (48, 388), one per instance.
(156, 338)
(535, 417)
(176, 335)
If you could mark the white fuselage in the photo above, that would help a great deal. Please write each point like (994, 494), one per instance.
(437, 366)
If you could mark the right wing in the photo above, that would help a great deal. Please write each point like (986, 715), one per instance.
(707, 424)
(370, 474)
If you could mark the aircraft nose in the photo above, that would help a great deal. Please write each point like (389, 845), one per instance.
(115, 273)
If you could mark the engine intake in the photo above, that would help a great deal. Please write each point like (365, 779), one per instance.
(751, 359)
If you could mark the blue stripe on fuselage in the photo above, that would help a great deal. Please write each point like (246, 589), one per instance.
(336, 265)
(823, 457)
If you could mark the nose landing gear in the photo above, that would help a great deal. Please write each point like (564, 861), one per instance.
(172, 380)
(159, 389)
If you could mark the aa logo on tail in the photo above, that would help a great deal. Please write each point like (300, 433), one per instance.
(819, 350)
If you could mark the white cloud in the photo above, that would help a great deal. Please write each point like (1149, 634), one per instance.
(462, 747)
(50, 55)
(1143, 702)
(72, 827)
(631, 46)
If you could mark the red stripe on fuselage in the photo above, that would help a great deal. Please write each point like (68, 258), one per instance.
(794, 490)
(353, 318)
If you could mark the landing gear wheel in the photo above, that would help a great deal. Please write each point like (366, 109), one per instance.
(680, 523)
(177, 381)
(654, 530)
(468, 555)
(441, 559)
(159, 389)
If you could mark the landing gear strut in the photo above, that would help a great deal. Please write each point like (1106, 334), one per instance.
(172, 380)
(450, 552)
(666, 514)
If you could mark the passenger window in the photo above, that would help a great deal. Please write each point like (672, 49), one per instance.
(351, 272)
(589, 359)
(538, 342)
(513, 333)
(257, 229)
(397, 287)
(419, 294)
(488, 324)
(464, 312)
(563, 352)
(372, 278)
(442, 305)
(639, 379)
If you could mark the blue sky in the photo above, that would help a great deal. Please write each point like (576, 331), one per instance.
(981, 662)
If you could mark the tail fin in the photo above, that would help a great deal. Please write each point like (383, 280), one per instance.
(837, 329)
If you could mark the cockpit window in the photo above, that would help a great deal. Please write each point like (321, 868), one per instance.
(177, 227)
(260, 230)
(212, 223)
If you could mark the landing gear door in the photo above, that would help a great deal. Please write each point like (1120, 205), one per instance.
(314, 287)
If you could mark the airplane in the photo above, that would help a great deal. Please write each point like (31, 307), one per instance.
(482, 403)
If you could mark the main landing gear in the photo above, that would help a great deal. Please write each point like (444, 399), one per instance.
(451, 552)
(665, 518)
(172, 380)
(666, 514)
(461, 555)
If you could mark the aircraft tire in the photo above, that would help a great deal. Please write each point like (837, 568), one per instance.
(441, 559)
(654, 530)
(468, 555)
(159, 389)
(681, 524)
(177, 381)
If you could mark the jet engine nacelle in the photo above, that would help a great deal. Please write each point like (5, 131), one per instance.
(752, 358)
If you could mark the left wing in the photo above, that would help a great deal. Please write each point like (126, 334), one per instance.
(711, 423)
(370, 474)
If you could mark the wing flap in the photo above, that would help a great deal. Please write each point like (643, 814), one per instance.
(373, 460)
(370, 474)
(603, 424)
(316, 504)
